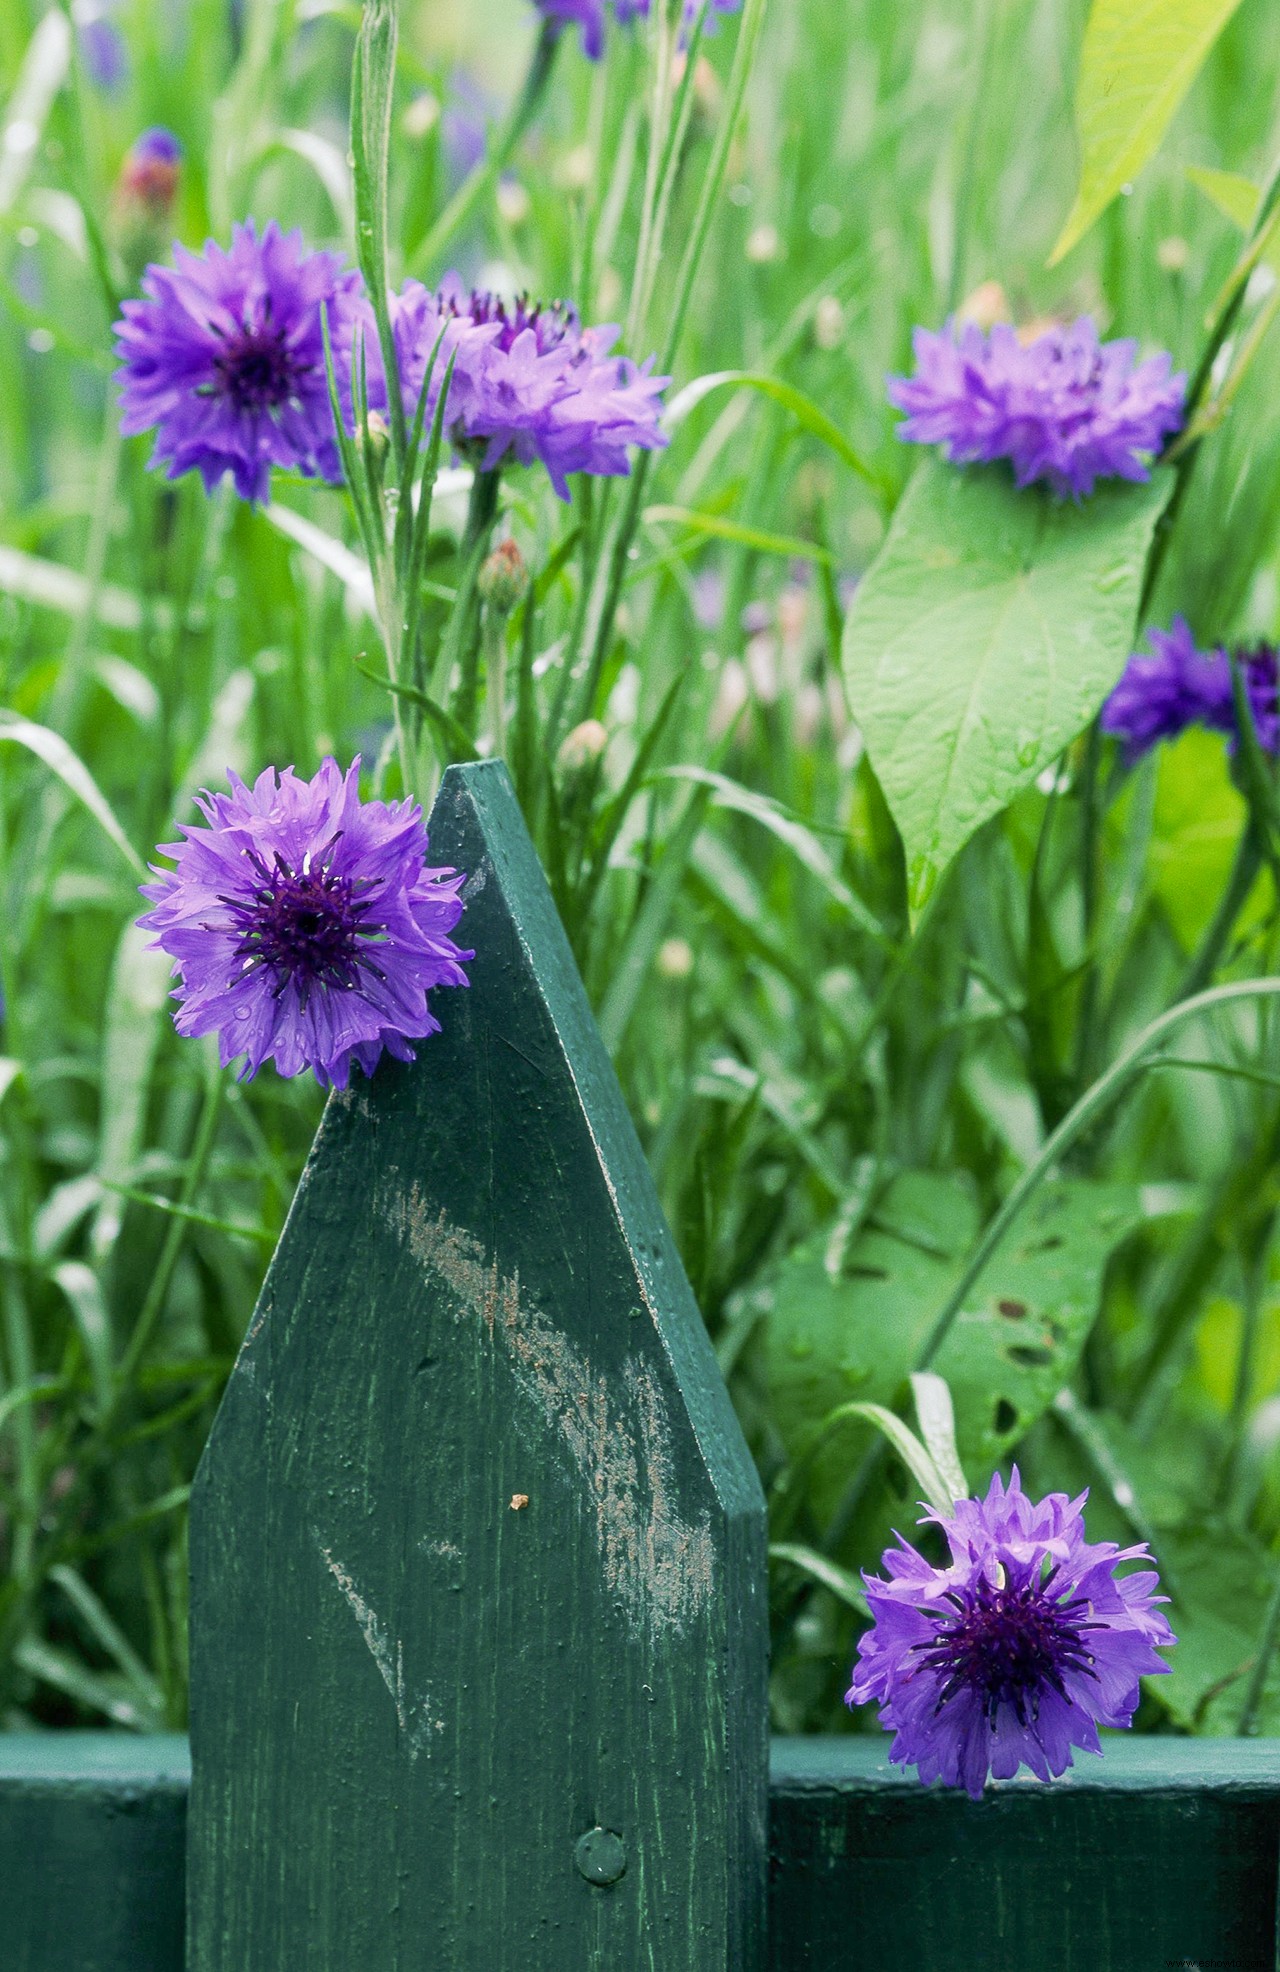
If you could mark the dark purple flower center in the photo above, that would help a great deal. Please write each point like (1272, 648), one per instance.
(1007, 1644)
(307, 926)
(552, 322)
(256, 368)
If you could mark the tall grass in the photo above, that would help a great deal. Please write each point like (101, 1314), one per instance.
(827, 1100)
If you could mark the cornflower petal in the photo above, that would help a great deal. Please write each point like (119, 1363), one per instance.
(528, 382)
(223, 358)
(1064, 407)
(304, 925)
(1015, 1652)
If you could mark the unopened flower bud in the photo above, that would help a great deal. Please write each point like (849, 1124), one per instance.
(149, 175)
(582, 747)
(373, 438)
(144, 198)
(503, 578)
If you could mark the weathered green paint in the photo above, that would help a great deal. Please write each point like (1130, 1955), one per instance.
(92, 1828)
(1162, 1853)
(477, 1546)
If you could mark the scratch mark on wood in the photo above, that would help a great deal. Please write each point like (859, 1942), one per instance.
(414, 1713)
(659, 1565)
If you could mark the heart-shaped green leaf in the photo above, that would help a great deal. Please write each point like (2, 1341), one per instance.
(984, 637)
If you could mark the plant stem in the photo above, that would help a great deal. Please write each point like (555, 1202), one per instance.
(1244, 872)
(497, 156)
(463, 644)
(153, 1305)
(1106, 1090)
(1089, 819)
(607, 590)
(1185, 459)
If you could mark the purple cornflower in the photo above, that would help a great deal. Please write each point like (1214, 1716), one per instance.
(590, 16)
(224, 359)
(1262, 688)
(1174, 685)
(1168, 688)
(1015, 1651)
(304, 926)
(528, 382)
(1065, 408)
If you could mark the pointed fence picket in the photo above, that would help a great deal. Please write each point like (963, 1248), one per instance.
(478, 1615)
(479, 1604)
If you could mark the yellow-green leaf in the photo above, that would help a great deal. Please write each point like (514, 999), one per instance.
(1235, 197)
(1197, 822)
(1139, 59)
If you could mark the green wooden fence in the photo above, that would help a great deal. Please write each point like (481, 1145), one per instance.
(479, 1612)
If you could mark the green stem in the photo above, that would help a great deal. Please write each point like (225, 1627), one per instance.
(1185, 460)
(1106, 1090)
(1091, 1105)
(498, 155)
(607, 590)
(1251, 1317)
(464, 631)
(1244, 873)
(1089, 820)
(153, 1305)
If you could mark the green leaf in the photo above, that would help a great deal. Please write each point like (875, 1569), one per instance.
(984, 637)
(827, 1574)
(98, 1691)
(790, 546)
(332, 554)
(849, 1326)
(43, 72)
(136, 998)
(1225, 1581)
(453, 740)
(1198, 817)
(71, 770)
(933, 1487)
(792, 833)
(809, 415)
(1139, 59)
(51, 586)
(936, 1417)
(1235, 197)
(84, 1293)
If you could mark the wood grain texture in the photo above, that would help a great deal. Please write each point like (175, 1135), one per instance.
(477, 1547)
(1163, 1853)
(91, 1851)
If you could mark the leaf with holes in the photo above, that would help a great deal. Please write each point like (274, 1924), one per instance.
(849, 1326)
(983, 638)
(1018, 1338)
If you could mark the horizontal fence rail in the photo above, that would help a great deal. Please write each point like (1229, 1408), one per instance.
(1163, 1854)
